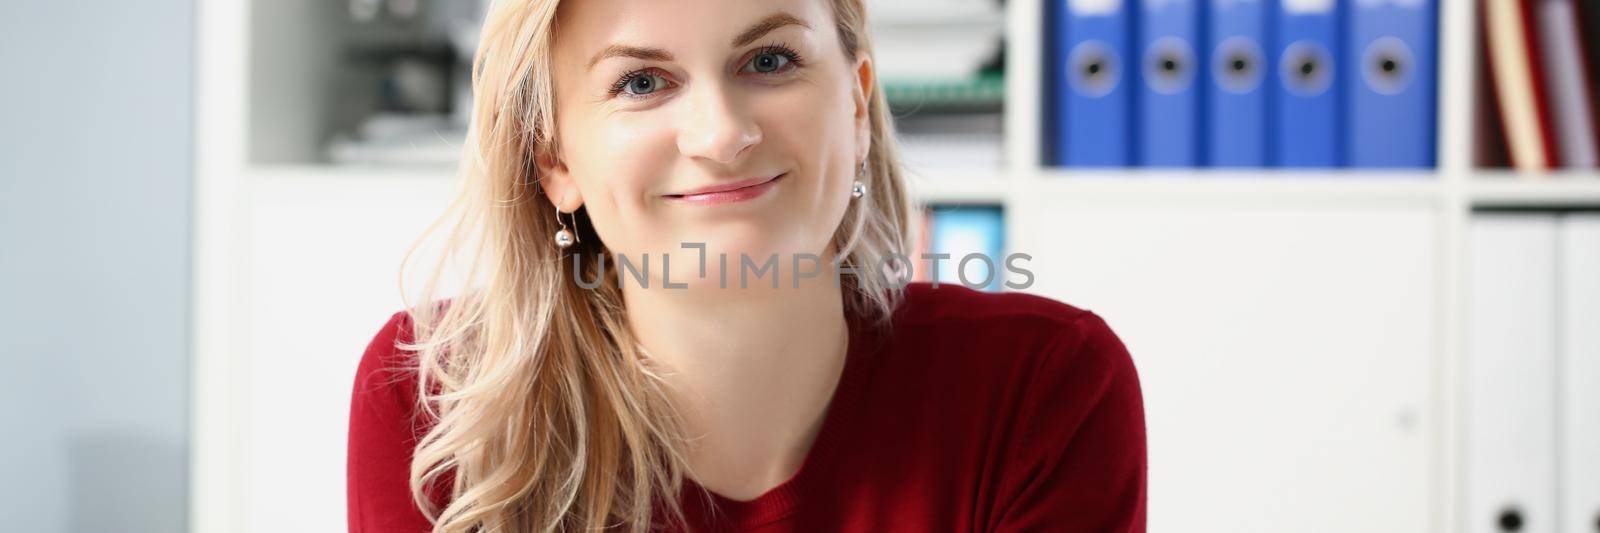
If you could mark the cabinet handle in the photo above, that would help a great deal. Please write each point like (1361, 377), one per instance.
(1511, 519)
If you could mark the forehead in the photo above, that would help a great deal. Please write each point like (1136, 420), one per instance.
(587, 26)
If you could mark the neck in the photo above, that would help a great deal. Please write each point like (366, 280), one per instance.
(754, 370)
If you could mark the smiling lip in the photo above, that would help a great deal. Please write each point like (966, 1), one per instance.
(728, 192)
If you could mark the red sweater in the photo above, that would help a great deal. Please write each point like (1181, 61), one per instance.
(973, 412)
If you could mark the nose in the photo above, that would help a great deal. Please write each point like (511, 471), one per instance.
(717, 127)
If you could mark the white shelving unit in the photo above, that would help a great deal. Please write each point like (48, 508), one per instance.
(1299, 334)
(1558, 190)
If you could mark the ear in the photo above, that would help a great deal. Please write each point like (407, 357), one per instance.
(556, 181)
(865, 82)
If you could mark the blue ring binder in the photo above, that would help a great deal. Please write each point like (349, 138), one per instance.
(1306, 68)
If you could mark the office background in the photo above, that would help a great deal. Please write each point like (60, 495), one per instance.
(205, 202)
(96, 185)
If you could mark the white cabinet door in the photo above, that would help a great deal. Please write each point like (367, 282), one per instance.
(320, 281)
(1285, 351)
(1578, 323)
(1511, 351)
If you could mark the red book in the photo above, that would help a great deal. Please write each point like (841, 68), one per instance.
(1517, 90)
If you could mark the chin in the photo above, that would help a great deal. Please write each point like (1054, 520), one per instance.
(683, 267)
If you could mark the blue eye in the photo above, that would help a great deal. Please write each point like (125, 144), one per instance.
(768, 62)
(641, 84)
(773, 59)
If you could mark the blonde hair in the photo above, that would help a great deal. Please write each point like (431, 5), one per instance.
(543, 413)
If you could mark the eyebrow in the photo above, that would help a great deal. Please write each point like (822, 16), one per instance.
(756, 31)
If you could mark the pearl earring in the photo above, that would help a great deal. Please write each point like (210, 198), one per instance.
(859, 189)
(565, 238)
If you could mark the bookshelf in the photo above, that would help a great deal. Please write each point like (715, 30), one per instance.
(1320, 312)
(1557, 190)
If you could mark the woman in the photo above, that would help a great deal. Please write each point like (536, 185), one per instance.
(562, 392)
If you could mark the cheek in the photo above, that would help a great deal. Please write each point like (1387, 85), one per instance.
(617, 162)
(814, 127)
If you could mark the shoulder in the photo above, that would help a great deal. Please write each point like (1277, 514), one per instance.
(1052, 381)
(385, 426)
(954, 303)
(385, 390)
(999, 320)
(387, 368)
(383, 361)
(1052, 352)
(1056, 386)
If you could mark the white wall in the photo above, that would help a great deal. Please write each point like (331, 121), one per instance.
(95, 177)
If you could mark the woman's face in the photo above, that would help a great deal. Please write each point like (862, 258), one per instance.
(656, 99)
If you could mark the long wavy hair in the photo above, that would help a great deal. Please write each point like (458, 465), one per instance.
(542, 413)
